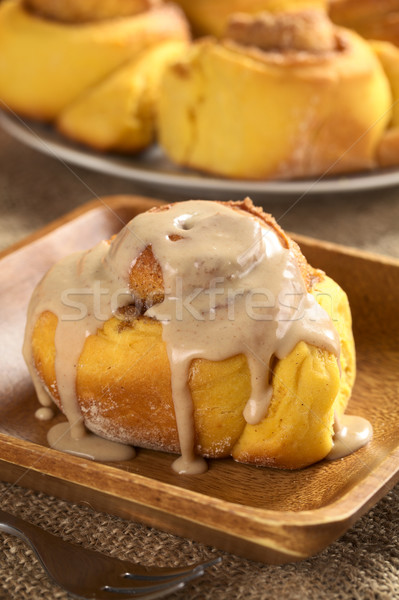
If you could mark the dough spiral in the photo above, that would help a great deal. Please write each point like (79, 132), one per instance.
(124, 370)
(281, 96)
(95, 78)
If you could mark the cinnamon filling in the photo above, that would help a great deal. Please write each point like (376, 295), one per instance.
(308, 31)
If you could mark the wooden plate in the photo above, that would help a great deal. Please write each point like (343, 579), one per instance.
(263, 514)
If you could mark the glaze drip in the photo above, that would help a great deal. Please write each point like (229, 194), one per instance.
(232, 285)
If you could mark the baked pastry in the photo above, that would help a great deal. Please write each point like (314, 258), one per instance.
(211, 16)
(200, 330)
(84, 11)
(120, 112)
(281, 96)
(373, 19)
(378, 21)
(48, 65)
(388, 149)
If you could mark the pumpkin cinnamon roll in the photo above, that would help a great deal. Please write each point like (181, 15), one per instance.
(201, 330)
(81, 57)
(280, 96)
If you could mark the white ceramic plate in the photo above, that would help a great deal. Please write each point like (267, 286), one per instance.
(153, 168)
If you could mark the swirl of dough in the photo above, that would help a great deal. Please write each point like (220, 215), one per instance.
(281, 96)
(211, 16)
(96, 78)
(125, 366)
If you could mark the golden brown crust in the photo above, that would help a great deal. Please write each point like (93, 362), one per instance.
(145, 280)
(145, 412)
(135, 405)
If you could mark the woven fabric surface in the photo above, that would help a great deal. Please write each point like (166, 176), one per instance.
(36, 189)
(363, 564)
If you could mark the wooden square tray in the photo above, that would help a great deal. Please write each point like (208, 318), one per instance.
(263, 514)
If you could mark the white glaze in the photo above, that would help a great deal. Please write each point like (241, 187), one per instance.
(89, 446)
(79, 274)
(351, 433)
(44, 413)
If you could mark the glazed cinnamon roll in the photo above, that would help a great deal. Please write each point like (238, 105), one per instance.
(196, 344)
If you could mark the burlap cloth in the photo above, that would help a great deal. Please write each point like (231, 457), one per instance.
(363, 564)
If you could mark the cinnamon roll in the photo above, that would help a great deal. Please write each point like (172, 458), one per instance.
(50, 66)
(200, 330)
(281, 96)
